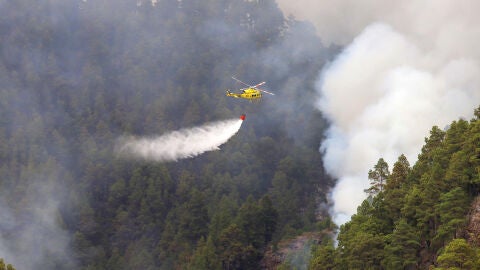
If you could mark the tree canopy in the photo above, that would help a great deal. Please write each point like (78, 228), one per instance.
(77, 75)
(418, 216)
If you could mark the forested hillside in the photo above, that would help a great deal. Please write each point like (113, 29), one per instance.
(76, 75)
(423, 216)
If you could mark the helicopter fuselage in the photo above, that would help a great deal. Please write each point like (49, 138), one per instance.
(248, 93)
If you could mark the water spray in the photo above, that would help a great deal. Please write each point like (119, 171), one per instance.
(180, 144)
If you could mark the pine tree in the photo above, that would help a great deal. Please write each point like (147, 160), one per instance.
(396, 188)
(269, 218)
(249, 221)
(323, 257)
(400, 171)
(458, 254)
(402, 248)
(378, 177)
(5, 267)
(234, 253)
(366, 251)
(425, 158)
(451, 210)
(204, 256)
(224, 213)
(361, 240)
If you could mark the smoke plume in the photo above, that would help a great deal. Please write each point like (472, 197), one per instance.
(35, 237)
(406, 66)
(180, 144)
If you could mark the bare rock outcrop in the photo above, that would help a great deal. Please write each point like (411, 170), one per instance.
(472, 231)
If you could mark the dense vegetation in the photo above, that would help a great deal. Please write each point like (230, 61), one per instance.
(416, 217)
(5, 267)
(76, 75)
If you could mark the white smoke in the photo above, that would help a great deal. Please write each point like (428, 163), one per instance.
(180, 144)
(408, 65)
(35, 237)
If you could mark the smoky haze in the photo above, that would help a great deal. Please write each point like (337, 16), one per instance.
(76, 75)
(406, 66)
(33, 234)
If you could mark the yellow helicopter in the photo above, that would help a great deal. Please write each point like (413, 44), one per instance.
(250, 92)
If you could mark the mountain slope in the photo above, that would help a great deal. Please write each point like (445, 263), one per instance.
(77, 75)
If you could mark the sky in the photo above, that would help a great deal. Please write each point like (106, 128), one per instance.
(405, 67)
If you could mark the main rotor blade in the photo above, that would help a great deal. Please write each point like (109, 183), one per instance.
(241, 82)
(257, 85)
(266, 92)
